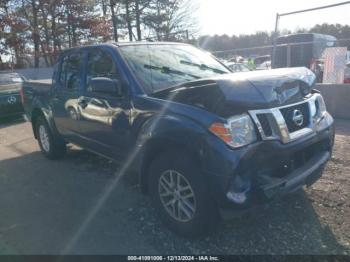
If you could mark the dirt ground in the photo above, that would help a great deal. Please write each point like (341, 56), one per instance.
(75, 206)
(330, 196)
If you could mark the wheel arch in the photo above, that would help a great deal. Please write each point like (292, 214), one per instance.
(39, 112)
(36, 113)
(157, 147)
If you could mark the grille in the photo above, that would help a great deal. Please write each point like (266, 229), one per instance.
(264, 122)
(288, 116)
(278, 124)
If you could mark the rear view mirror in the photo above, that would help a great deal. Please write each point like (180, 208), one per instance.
(105, 85)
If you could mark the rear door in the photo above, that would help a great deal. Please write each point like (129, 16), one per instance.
(65, 95)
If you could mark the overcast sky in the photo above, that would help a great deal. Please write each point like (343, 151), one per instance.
(248, 16)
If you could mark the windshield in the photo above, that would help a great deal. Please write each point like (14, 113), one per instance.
(159, 67)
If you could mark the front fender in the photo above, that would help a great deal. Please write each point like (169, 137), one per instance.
(176, 128)
(169, 132)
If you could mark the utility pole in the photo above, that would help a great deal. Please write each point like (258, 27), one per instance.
(274, 40)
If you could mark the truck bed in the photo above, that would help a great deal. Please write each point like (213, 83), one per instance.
(39, 83)
(36, 92)
(37, 86)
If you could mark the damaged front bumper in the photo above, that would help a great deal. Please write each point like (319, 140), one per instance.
(304, 175)
(270, 168)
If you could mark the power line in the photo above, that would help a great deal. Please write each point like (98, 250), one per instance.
(314, 9)
(298, 12)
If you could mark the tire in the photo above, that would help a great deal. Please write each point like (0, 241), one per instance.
(51, 146)
(203, 215)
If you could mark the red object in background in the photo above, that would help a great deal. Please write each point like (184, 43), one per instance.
(313, 64)
(347, 81)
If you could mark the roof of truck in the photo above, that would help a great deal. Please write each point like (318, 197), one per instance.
(147, 43)
(118, 44)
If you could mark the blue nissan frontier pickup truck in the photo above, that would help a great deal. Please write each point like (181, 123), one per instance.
(202, 139)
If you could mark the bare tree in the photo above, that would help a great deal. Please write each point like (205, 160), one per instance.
(128, 18)
(42, 28)
(35, 32)
(165, 17)
(112, 5)
(140, 7)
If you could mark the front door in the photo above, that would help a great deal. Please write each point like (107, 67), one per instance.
(104, 118)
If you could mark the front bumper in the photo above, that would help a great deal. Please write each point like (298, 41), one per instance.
(266, 170)
(304, 175)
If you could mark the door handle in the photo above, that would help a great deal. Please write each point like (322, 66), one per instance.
(82, 103)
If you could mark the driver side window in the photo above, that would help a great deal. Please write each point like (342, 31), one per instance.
(100, 64)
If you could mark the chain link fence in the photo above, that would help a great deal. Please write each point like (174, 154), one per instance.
(326, 56)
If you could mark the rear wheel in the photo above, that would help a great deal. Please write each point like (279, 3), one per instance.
(51, 146)
(181, 195)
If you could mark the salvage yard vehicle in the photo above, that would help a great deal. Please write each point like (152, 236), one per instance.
(237, 67)
(10, 100)
(204, 141)
(303, 49)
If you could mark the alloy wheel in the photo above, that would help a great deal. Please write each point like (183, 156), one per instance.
(44, 138)
(177, 195)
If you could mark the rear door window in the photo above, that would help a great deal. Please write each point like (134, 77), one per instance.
(70, 71)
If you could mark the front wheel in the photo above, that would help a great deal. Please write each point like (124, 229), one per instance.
(51, 147)
(180, 193)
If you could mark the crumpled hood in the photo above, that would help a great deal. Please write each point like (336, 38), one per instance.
(230, 94)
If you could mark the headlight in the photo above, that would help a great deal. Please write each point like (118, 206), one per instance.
(319, 114)
(318, 108)
(239, 131)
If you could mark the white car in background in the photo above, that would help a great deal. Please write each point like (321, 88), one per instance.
(237, 67)
(264, 66)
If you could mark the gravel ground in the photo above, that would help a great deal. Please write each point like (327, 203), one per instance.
(54, 207)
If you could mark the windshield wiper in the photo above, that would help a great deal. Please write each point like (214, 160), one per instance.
(168, 70)
(202, 67)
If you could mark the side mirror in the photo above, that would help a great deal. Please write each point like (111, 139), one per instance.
(105, 85)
